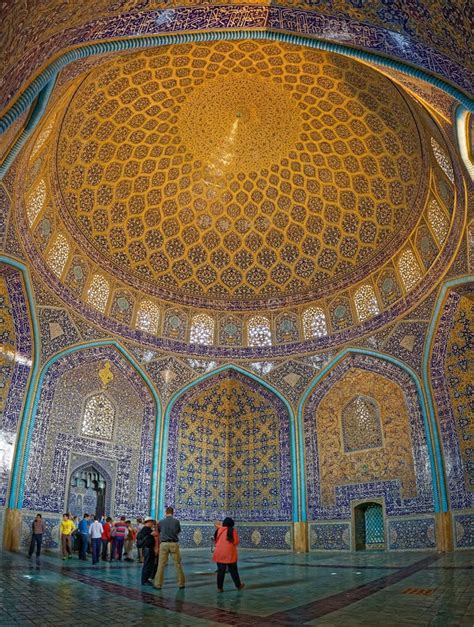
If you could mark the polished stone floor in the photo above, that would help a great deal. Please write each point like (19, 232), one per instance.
(281, 589)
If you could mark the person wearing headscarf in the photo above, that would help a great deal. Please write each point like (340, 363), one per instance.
(226, 540)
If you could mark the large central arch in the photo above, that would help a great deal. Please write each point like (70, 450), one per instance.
(276, 402)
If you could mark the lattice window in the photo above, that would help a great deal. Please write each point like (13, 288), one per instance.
(202, 329)
(258, 331)
(98, 292)
(98, 418)
(438, 220)
(58, 254)
(366, 302)
(35, 202)
(42, 137)
(409, 269)
(442, 159)
(314, 323)
(361, 428)
(148, 316)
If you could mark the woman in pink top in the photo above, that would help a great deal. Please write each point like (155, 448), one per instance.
(226, 540)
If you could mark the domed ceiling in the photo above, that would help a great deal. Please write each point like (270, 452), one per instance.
(238, 172)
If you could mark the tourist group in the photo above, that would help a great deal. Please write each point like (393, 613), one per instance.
(154, 541)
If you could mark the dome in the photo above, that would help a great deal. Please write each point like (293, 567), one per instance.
(233, 176)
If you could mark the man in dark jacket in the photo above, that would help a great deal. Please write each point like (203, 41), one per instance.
(146, 541)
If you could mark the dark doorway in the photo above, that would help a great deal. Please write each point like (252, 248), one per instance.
(369, 527)
(87, 492)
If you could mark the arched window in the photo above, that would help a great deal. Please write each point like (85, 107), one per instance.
(58, 254)
(98, 292)
(442, 159)
(42, 137)
(314, 323)
(438, 220)
(258, 331)
(148, 316)
(35, 202)
(98, 418)
(366, 302)
(361, 428)
(202, 329)
(409, 269)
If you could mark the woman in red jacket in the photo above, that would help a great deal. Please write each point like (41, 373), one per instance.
(225, 554)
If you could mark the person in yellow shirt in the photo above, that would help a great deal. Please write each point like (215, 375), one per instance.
(66, 528)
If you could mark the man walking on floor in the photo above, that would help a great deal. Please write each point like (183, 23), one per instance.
(169, 529)
(66, 528)
(146, 542)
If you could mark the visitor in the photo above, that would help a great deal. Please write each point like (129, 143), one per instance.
(83, 537)
(96, 529)
(119, 535)
(156, 534)
(129, 541)
(106, 539)
(37, 530)
(146, 542)
(65, 529)
(75, 537)
(169, 529)
(139, 527)
(225, 554)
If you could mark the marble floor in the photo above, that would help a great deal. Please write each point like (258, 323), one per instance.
(281, 589)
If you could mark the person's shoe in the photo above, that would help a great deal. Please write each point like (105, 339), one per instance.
(181, 587)
(241, 587)
(64, 559)
(220, 589)
(156, 587)
(70, 557)
(147, 583)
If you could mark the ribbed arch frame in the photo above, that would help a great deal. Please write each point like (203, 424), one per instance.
(295, 462)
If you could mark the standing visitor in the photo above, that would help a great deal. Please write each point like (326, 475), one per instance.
(37, 530)
(106, 538)
(169, 529)
(120, 530)
(139, 527)
(96, 531)
(66, 528)
(225, 554)
(146, 542)
(83, 537)
(129, 541)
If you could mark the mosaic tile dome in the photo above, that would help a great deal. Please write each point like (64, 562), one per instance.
(238, 171)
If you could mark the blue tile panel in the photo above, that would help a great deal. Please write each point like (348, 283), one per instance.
(330, 536)
(411, 533)
(464, 530)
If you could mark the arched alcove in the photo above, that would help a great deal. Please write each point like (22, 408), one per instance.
(58, 441)
(229, 451)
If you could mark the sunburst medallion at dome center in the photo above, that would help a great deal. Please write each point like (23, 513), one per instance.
(239, 123)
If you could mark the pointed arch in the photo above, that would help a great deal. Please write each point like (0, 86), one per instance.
(434, 326)
(35, 350)
(437, 480)
(21, 469)
(296, 493)
(101, 469)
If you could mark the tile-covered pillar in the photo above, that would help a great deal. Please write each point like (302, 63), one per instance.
(12, 529)
(300, 537)
(444, 531)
